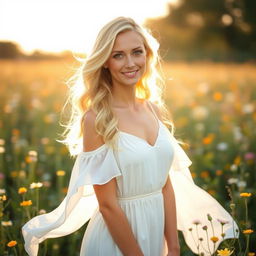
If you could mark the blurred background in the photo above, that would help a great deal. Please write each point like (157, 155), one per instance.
(208, 50)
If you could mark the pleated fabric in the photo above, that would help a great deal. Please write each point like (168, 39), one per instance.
(141, 171)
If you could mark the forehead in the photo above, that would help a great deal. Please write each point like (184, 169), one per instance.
(127, 40)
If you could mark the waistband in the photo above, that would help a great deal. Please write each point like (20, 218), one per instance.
(140, 196)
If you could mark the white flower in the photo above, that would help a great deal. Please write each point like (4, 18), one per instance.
(2, 191)
(36, 185)
(200, 112)
(232, 181)
(241, 184)
(222, 146)
(233, 167)
(248, 108)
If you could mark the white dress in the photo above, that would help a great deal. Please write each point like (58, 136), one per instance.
(141, 170)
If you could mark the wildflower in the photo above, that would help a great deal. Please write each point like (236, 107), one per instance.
(214, 239)
(232, 206)
(36, 185)
(204, 174)
(196, 222)
(12, 243)
(6, 223)
(219, 172)
(209, 217)
(205, 227)
(248, 231)
(42, 211)
(251, 253)
(232, 181)
(222, 222)
(32, 156)
(225, 252)
(241, 184)
(245, 194)
(26, 203)
(222, 146)
(249, 156)
(22, 190)
(2, 149)
(233, 167)
(190, 229)
(2, 191)
(217, 96)
(3, 198)
(60, 173)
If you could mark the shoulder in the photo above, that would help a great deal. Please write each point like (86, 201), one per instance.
(91, 139)
(156, 109)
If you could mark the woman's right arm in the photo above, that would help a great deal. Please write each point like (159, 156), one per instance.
(114, 217)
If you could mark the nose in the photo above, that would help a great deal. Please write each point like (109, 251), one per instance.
(129, 61)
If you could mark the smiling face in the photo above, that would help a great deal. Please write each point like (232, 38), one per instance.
(127, 61)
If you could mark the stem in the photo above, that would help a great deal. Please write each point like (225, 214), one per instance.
(247, 244)
(246, 213)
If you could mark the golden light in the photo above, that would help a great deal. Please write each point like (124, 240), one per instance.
(60, 25)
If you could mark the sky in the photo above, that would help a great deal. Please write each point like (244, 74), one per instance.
(57, 25)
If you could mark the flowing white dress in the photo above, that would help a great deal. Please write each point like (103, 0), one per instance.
(141, 171)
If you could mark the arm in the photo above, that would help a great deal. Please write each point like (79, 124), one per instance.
(114, 217)
(170, 228)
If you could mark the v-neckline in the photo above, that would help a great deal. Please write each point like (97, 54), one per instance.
(145, 141)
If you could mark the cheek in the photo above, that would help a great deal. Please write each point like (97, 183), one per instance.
(114, 65)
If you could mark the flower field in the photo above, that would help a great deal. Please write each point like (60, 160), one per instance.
(213, 108)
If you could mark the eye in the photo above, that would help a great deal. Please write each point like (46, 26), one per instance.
(117, 56)
(138, 52)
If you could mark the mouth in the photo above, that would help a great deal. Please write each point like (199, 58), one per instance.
(130, 74)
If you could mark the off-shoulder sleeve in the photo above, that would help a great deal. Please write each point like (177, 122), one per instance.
(193, 204)
(94, 167)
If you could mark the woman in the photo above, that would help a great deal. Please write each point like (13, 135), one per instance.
(131, 177)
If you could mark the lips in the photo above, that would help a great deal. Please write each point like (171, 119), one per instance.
(130, 74)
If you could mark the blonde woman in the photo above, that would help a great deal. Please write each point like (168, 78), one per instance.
(130, 177)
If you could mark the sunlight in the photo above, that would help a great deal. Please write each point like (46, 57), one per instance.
(67, 25)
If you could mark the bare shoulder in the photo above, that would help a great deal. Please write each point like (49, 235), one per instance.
(156, 109)
(91, 139)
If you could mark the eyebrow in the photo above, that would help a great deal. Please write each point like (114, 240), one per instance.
(139, 47)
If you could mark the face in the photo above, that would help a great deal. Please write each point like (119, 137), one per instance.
(127, 61)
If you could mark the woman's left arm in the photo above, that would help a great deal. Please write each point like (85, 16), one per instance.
(170, 228)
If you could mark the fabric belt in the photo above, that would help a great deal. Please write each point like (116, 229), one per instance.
(140, 196)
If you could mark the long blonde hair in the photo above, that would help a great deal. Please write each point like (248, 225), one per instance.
(90, 87)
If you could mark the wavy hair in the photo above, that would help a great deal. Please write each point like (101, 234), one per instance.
(90, 87)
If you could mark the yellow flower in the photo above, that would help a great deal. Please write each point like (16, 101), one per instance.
(251, 253)
(225, 252)
(26, 203)
(245, 194)
(60, 173)
(3, 198)
(248, 231)
(12, 243)
(6, 223)
(22, 190)
(215, 239)
(217, 96)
